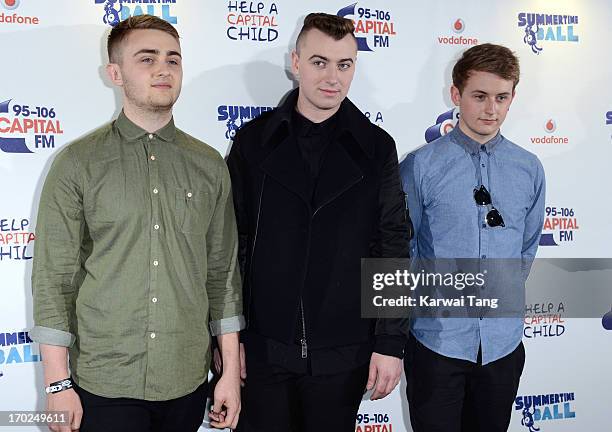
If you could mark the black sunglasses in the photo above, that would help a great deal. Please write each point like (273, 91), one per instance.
(483, 198)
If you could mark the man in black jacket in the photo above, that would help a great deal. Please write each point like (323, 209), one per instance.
(316, 188)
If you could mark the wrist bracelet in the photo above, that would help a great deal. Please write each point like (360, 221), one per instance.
(58, 386)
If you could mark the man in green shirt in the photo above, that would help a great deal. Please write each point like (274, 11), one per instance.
(135, 259)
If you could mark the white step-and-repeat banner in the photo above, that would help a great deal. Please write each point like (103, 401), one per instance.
(53, 89)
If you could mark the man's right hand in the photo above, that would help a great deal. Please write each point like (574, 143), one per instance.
(66, 401)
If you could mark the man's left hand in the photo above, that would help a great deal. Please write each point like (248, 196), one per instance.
(385, 372)
(226, 407)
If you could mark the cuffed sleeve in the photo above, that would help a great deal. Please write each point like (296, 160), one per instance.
(50, 336)
(227, 325)
(223, 279)
(57, 253)
(390, 345)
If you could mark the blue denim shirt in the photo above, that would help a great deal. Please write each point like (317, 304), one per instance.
(439, 179)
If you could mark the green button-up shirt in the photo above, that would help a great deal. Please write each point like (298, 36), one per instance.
(135, 259)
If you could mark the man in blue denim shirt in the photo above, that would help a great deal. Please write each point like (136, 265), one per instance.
(472, 194)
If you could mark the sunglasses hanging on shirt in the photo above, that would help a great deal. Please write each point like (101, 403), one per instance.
(483, 198)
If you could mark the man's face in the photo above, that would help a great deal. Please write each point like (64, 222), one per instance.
(150, 70)
(325, 69)
(484, 104)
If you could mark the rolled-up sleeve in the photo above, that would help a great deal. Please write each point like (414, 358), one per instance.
(223, 278)
(58, 252)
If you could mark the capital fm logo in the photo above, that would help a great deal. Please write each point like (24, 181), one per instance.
(118, 10)
(540, 29)
(560, 226)
(20, 123)
(374, 28)
(254, 21)
(606, 320)
(549, 126)
(14, 18)
(445, 123)
(458, 27)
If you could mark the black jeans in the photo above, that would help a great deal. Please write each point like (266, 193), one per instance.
(451, 395)
(101, 414)
(277, 400)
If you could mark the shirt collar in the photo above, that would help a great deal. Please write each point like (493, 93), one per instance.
(303, 127)
(131, 131)
(473, 146)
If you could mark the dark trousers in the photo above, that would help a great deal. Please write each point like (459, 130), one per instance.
(452, 395)
(277, 400)
(101, 414)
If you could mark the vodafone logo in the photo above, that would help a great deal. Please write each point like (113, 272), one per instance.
(550, 126)
(458, 26)
(10, 4)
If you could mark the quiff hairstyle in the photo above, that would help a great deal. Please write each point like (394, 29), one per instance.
(332, 25)
(125, 27)
(495, 59)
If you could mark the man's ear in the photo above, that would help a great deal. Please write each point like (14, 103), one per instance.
(295, 67)
(114, 74)
(455, 95)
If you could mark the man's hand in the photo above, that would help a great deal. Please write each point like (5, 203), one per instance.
(385, 372)
(70, 402)
(226, 407)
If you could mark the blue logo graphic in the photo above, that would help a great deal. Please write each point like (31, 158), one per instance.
(609, 118)
(116, 11)
(543, 27)
(538, 408)
(10, 4)
(606, 320)
(445, 123)
(235, 116)
(12, 145)
(17, 347)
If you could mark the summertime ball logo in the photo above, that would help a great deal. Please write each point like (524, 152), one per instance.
(445, 123)
(118, 10)
(14, 18)
(549, 126)
(540, 29)
(458, 26)
(253, 21)
(20, 123)
(536, 409)
(373, 27)
(17, 348)
(560, 225)
(234, 116)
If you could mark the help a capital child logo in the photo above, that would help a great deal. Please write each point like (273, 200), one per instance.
(544, 320)
(540, 29)
(445, 123)
(538, 410)
(374, 28)
(26, 128)
(560, 226)
(457, 27)
(119, 10)
(252, 21)
(16, 240)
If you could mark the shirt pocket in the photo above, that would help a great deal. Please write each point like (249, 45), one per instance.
(104, 200)
(193, 210)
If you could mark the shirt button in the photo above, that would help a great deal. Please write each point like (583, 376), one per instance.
(150, 136)
(152, 157)
(484, 225)
(154, 299)
(155, 190)
(152, 335)
(155, 263)
(189, 194)
(484, 256)
(156, 226)
(482, 165)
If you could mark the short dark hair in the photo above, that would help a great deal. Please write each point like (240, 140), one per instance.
(139, 22)
(332, 25)
(495, 59)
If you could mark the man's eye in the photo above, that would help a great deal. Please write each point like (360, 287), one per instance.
(319, 63)
(344, 66)
(147, 60)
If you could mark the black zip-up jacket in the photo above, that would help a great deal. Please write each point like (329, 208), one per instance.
(299, 245)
